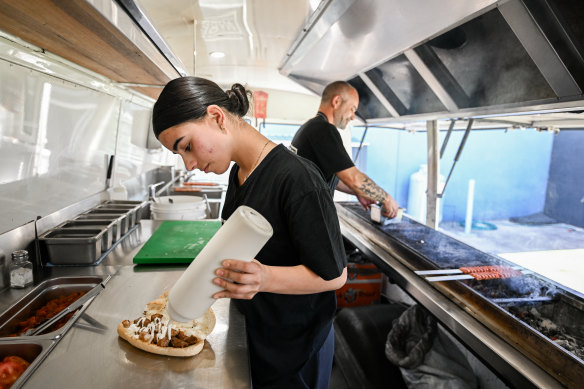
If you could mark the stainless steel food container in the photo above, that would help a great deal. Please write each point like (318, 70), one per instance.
(140, 205)
(130, 210)
(124, 225)
(38, 297)
(34, 351)
(108, 238)
(115, 220)
(67, 246)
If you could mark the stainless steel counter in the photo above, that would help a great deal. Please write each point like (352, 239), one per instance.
(91, 355)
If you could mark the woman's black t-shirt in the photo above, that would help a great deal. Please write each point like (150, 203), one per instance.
(285, 330)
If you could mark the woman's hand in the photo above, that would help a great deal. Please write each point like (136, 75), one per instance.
(240, 279)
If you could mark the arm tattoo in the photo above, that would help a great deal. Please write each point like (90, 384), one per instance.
(371, 190)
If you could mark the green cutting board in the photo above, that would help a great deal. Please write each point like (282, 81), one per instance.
(177, 242)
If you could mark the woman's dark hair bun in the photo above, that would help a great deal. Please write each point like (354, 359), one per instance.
(187, 98)
(238, 99)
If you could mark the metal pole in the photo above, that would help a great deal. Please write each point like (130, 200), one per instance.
(460, 148)
(447, 137)
(361, 144)
(469, 206)
(433, 173)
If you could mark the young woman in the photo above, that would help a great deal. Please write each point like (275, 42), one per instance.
(287, 293)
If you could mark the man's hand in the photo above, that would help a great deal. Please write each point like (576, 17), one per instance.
(365, 202)
(390, 207)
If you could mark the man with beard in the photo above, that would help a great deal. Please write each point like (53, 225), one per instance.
(319, 141)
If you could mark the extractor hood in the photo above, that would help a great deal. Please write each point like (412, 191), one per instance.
(108, 37)
(420, 59)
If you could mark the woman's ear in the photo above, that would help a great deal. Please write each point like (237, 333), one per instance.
(217, 115)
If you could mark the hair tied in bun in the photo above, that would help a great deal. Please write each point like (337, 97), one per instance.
(238, 99)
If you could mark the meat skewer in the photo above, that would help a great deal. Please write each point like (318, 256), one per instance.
(479, 275)
(485, 269)
(467, 270)
(496, 274)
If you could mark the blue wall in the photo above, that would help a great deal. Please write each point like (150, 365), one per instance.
(510, 169)
(565, 193)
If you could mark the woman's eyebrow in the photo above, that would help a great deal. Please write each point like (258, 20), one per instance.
(176, 142)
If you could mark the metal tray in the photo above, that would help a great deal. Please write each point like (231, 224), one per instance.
(67, 246)
(140, 206)
(127, 202)
(125, 222)
(107, 239)
(33, 351)
(131, 211)
(116, 220)
(41, 295)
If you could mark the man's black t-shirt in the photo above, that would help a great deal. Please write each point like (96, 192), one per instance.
(285, 330)
(320, 142)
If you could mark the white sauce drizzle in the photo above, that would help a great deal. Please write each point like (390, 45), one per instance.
(162, 328)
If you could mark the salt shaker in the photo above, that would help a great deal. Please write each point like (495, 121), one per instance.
(20, 270)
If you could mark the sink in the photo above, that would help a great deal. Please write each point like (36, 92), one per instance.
(190, 190)
(214, 196)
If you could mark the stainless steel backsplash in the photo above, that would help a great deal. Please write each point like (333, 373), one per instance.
(56, 134)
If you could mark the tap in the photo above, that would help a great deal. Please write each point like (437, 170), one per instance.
(152, 190)
(188, 175)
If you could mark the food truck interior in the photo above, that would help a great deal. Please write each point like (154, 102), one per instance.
(471, 115)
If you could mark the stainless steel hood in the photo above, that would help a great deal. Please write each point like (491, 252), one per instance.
(111, 38)
(414, 59)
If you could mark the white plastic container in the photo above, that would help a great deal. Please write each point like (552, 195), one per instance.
(179, 215)
(118, 192)
(178, 208)
(241, 237)
(417, 195)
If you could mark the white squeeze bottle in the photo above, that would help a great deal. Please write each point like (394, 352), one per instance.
(241, 237)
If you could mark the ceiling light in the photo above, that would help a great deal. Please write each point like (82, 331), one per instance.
(217, 54)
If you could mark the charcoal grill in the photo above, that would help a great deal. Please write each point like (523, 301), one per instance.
(542, 321)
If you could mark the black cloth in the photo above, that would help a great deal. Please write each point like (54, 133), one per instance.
(360, 337)
(411, 337)
(320, 142)
(427, 356)
(284, 331)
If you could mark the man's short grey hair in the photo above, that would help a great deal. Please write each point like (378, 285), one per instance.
(336, 88)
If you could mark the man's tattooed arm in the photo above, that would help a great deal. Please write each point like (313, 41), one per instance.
(370, 189)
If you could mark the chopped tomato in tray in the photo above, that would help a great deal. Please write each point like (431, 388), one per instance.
(11, 368)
